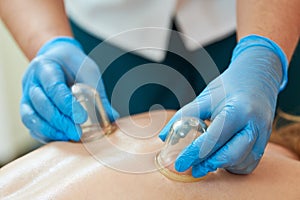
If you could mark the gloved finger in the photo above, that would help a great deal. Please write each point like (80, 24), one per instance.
(234, 152)
(199, 108)
(226, 124)
(37, 125)
(26, 80)
(253, 158)
(52, 115)
(247, 166)
(52, 80)
(200, 171)
(89, 74)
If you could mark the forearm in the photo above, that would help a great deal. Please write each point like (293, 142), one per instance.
(274, 19)
(33, 22)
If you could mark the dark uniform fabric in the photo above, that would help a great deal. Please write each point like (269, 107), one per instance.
(150, 94)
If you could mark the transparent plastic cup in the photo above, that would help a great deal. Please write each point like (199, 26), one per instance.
(182, 133)
(97, 125)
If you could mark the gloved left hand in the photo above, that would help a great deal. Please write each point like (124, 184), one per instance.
(241, 105)
(48, 108)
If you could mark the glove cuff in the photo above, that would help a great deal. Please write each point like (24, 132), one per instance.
(256, 40)
(62, 39)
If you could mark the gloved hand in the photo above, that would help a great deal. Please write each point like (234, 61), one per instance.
(241, 104)
(47, 107)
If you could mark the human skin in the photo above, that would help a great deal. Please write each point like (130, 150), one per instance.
(33, 22)
(62, 170)
(276, 19)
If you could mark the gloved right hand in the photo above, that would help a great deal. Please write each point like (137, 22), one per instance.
(48, 108)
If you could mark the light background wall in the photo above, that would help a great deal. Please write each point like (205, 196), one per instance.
(14, 137)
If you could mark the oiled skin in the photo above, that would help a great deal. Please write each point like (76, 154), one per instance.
(62, 170)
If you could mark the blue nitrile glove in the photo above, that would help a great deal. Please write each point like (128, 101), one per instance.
(241, 105)
(48, 107)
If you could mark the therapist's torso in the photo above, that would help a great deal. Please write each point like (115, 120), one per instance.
(139, 67)
(205, 21)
